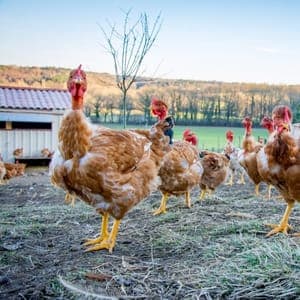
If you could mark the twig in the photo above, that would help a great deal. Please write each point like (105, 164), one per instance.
(78, 290)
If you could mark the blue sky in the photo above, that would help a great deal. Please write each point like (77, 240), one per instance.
(241, 41)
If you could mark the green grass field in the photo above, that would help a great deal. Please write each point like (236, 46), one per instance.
(211, 138)
(214, 138)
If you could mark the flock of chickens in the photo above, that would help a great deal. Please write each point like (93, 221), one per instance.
(113, 170)
(10, 170)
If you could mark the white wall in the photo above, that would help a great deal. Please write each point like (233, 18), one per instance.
(31, 140)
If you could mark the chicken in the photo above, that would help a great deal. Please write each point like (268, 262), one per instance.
(111, 170)
(215, 171)
(234, 165)
(45, 152)
(159, 108)
(180, 171)
(13, 170)
(266, 123)
(18, 152)
(279, 164)
(247, 157)
(2, 170)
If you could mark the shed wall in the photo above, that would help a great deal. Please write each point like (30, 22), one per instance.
(31, 140)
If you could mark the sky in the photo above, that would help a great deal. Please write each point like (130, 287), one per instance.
(232, 41)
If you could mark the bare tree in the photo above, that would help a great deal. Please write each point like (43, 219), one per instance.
(128, 48)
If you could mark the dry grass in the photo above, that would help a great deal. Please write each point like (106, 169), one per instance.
(215, 250)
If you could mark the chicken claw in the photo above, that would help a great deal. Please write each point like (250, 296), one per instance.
(241, 180)
(163, 206)
(284, 228)
(106, 242)
(70, 199)
(104, 234)
(204, 192)
(202, 195)
(96, 240)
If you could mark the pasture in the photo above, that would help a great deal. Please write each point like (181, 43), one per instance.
(215, 250)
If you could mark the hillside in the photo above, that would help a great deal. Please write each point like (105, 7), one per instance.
(47, 77)
(51, 77)
(191, 102)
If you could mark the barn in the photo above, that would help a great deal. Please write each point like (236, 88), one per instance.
(29, 119)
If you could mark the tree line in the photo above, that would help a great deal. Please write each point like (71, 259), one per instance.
(211, 104)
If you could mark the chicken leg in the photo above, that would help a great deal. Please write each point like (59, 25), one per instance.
(188, 199)
(70, 199)
(107, 243)
(230, 181)
(204, 192)
(163, 205)
(104, 234)
(242, 179)
(257, 189)
(283, 226)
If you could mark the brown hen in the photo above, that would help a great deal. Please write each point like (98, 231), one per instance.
(180, 171)
(215, 171)
(2, 172)
(111, 170)
(247, 156)
(279, 162)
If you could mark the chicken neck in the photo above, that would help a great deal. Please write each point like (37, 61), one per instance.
(74, 135)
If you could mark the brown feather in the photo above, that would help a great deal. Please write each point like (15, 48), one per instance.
(181, 169)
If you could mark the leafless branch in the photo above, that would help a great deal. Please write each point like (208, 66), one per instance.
(128, 48)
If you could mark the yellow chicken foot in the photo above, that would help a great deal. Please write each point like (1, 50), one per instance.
(283, 226)
(107, 243)
(202, 194)
(163, 206)
(104, 234)
(70, 199)
(188, 199)
(242, 179)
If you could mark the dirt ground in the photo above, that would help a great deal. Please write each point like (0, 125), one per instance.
(215, 250)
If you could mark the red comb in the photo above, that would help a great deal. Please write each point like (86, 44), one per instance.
(159, 108)
(78, 69)
(186, 132)
(229, 135)
(190, 137)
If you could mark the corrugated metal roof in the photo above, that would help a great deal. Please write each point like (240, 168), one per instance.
(34, 98)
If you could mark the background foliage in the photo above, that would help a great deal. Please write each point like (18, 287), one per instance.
(209, 103)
